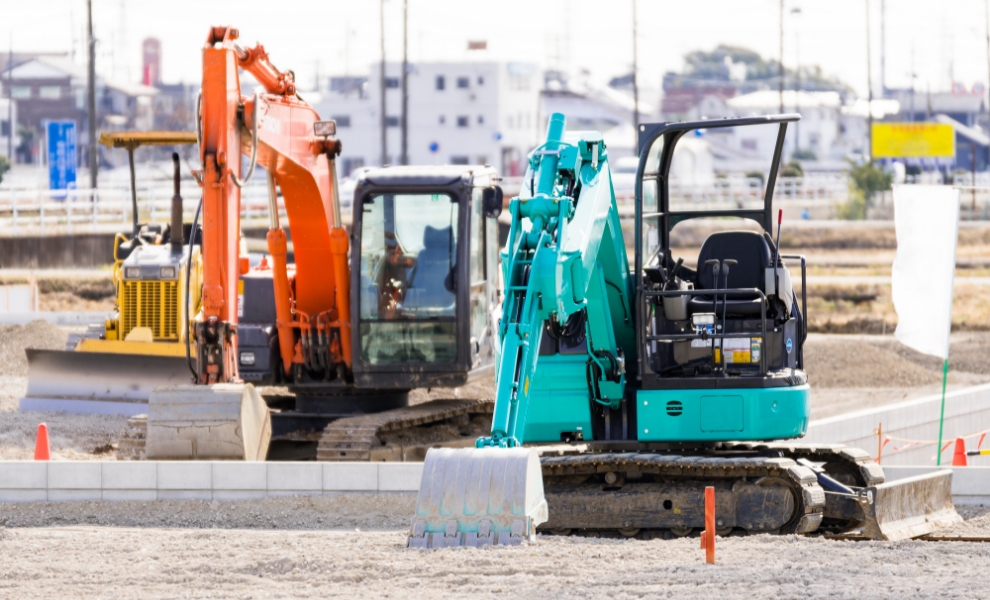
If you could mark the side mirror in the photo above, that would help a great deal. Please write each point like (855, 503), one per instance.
(491, 200)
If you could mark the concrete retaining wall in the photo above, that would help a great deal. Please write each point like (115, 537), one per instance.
(59, 481)
(84, 250)
(967, 411)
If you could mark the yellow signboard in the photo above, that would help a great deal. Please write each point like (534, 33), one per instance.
(913, 140)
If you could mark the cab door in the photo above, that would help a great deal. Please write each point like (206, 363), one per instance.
(483, 291)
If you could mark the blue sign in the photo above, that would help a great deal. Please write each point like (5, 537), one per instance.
(434, 147)
(61, 155)
(790, 345)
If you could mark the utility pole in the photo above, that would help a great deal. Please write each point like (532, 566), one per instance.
(405, 83)
(635, 84)
(987, 10)
(883, 48)
(781, 59)
(383, 121)
(869, 87)
(795, 12)
(11, 128)
(91, 96)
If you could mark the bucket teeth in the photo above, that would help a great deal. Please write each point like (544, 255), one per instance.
(478, 497)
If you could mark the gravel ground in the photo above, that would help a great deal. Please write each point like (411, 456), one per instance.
(113, 562)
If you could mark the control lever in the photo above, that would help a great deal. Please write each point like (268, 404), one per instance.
(673, 273)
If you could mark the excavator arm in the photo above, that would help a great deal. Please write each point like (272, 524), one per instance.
(275, 128)
(283, 134)
(565, 269)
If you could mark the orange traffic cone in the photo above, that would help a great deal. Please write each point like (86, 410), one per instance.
(959, 456)
(43, 452)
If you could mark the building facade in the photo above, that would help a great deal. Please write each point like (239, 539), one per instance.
(459, 113)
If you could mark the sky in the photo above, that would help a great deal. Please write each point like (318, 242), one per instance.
(939, 41)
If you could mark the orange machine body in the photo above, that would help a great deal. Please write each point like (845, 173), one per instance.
(315, 300)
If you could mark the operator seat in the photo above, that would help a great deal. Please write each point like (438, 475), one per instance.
(753, 253)
(432, 287)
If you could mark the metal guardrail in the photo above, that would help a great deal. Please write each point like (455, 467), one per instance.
(36, 211)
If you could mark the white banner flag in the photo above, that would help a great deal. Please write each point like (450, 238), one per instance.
(926, 218)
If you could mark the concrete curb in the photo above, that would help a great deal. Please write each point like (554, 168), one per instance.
(61, 481)
(64, 481)
(967, 411)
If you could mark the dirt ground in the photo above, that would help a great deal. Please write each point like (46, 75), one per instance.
(219, 562)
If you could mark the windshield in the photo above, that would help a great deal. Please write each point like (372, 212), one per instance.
(408, 265)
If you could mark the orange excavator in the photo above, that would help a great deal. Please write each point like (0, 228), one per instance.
(423, 283)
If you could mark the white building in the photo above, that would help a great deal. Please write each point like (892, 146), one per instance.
(459, 113)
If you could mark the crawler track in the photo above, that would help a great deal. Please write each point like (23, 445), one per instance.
(405, 433)
(660, 495)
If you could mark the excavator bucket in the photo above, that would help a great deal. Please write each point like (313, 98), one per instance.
(97, 382)
(478, 497)
(225, 421)
(898, 510)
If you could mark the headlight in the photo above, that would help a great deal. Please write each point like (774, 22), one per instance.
(703, 319)
(325, 128)
(247, 358)
(167, 272)
(132, 272)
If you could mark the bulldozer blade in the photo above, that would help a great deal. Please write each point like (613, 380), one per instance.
(97, 382)
(902, 509)
(225, 421)
(478, 497)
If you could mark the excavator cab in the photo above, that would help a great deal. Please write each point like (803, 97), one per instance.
(424, 285)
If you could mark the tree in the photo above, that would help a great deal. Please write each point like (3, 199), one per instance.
(4, 166)
(866, 179)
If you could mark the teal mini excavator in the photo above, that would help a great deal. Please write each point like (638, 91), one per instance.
(657, 381)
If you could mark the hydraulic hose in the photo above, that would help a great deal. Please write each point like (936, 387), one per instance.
(189, 267)
(254, 145)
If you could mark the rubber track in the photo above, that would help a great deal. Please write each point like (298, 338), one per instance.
(352, 438)
(856, 460)
(808, 495)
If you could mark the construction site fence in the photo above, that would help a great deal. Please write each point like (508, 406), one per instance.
(36, 211)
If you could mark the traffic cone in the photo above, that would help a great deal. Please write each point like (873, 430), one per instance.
(959, 456)
(43, 452)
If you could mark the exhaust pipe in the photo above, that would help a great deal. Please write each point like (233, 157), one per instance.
(175, 235)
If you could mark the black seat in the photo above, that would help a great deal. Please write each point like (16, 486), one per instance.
(753, 253)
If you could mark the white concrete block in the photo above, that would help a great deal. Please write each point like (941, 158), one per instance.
(23, 474)
(971, 481)
(283, 476)
(185, 475)
(291, 493)
(32, 495)
(130, 495)
(350, 477)
(75, 475)
(227, 495)
(75, 495)
(130, 475)
(229, 475)
(185, 495)
(400, 476)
